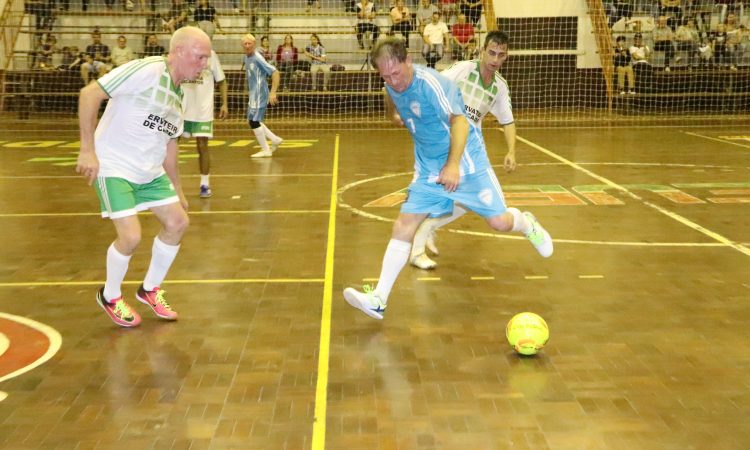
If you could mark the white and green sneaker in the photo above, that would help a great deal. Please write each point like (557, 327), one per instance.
(538, 236)
(368, 302)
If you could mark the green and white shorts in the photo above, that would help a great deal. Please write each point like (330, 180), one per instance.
(119, 197)
(198, 129)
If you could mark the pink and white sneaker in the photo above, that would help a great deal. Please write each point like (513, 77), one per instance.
(155, 299)
(117, 310)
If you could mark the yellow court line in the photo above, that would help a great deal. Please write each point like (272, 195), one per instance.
(482, 278)
(590, 277)
(166, 283)
(683, 220)
(321, 386)
(428, 278)
(710, 138)
(369, 280)
(536, 277)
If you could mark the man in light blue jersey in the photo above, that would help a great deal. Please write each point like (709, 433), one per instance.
(257, 69)
(131, 157)
(451, 165)
(484, 91)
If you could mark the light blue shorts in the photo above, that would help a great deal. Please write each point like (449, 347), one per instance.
(479, 192)
(256, 114)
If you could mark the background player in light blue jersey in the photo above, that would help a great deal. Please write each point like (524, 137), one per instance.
(257, 69)
(451, 165)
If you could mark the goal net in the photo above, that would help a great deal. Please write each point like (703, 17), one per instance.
(563, 67)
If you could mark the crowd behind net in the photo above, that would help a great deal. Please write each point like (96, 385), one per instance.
(562, 68)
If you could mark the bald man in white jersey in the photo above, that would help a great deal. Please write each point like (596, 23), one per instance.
(484, 91)
(131, 158)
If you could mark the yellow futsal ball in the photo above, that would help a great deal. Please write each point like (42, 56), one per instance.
(527, 333)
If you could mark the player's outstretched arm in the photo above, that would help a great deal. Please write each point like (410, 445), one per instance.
(224, 109)
(90, 99)
(171, 167)
(510, 140)
(450, 175)
(275, 81)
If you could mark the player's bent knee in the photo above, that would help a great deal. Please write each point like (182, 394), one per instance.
(500, 223)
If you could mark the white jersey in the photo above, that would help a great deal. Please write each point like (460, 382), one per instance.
(143, 114)
(478, 98)
(199, 94)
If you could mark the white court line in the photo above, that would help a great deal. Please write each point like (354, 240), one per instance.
(683, 220)
(55, 341)
(711, 138)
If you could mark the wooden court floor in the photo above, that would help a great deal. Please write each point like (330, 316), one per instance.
(647, 297)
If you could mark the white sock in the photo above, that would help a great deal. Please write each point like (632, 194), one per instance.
(269, 134)
(162, 256)
(395, 258)
(420, 237)
(260, 135)
(204, 180)
(520, 224)
(429, 225)
(117, 267)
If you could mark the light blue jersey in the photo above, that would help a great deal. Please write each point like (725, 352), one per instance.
(257, 69)
(426, 107)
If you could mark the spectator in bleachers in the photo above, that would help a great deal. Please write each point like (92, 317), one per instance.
(623, 66)
(265, 50)
(461, 32)
(401, 21)
(721, 52)
(687, 39)
(705, 52)
(45, 51)
(71, 59)
(97, 58)
(472, 50)
(310, 3)
(204, 15)
(672, 10)
(424, 14)
(122, 53)
(44, 12)
(318, 64)
(435, 38)
(366, 22)
(664, 41)
(735, 46)
(152, 47)
(286, 60)
(448, 9)
(472, 9)
(622, 9)
(176, 17)
(260, 8)
(639, 54)
(726, 7)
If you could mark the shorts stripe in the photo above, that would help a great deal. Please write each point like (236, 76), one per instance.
(496, 183)
(105, 195)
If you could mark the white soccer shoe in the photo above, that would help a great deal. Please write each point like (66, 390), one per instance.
(422, 261)
(262, 154)
(275, 145)
(368, 302)
(538, 236)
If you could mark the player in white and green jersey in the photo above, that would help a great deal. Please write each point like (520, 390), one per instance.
(131, 157)
(199, 114)
(484, 91)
